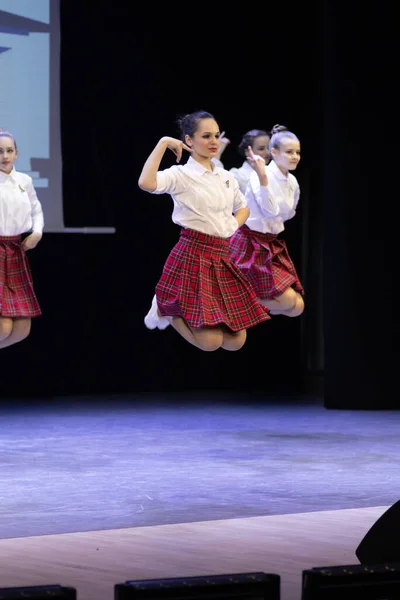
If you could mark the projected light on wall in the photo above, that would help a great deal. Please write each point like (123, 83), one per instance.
(30, 99)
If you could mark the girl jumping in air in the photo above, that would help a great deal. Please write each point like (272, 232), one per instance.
(201, 292)
(257, 247)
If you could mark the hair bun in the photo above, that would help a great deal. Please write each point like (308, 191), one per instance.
(278, 128)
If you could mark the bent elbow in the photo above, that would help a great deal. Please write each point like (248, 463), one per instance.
(245, 213)
(142, 184)
(146, 186)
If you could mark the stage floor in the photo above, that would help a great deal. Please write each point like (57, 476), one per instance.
(95, 491)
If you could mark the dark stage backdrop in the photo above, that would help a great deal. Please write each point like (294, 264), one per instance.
(361, 252)
(124, 80)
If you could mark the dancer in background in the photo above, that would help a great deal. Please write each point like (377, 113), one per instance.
(20, 213)
(257, 247)
(256, 139)
(201, 293)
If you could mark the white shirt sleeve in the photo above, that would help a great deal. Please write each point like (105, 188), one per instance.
(37, 212)
(170, 181)
(296, 196)
(240, 178)
(290, 213)
(239, 201)
(259, 194)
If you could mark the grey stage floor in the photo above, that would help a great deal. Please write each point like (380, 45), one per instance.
(108, 463)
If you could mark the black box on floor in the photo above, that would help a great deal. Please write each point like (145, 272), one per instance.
(369, 582)
(39, 592)
(251, 586)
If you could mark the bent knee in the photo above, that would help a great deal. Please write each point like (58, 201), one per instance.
(234, 341)
(288, 299)
(209, 345)
(298, 307)
(6, 327)
(209, 340)
(22, 328)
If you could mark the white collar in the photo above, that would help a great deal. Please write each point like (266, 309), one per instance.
(275, 169)
(199, 169)
(247, 166)
(12, 175)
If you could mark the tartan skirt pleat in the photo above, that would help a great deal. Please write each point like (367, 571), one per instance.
(17, 296)
(200, 283)
(264, 260)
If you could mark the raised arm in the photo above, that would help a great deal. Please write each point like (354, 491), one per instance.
(257, 188)
(223, 142)
(148, 176)
(258, 164)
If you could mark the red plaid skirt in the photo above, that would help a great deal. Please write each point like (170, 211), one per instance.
(265, 261)
(17, 297)
(200, 283)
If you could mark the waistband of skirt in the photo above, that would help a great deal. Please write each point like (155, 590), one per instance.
(200, 239)
(10, 238)
(268, 237)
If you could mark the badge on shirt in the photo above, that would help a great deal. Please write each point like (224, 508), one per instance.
(227, 183)
(21, 188)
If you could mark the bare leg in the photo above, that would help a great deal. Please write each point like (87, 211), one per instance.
(233, 341)
(21, 328)
(297, 309)
(289, 304)
(6, 326)
(204, 338)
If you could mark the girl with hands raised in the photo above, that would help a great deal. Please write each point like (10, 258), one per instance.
(201, 293)
(272, 195)
(148, 178)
